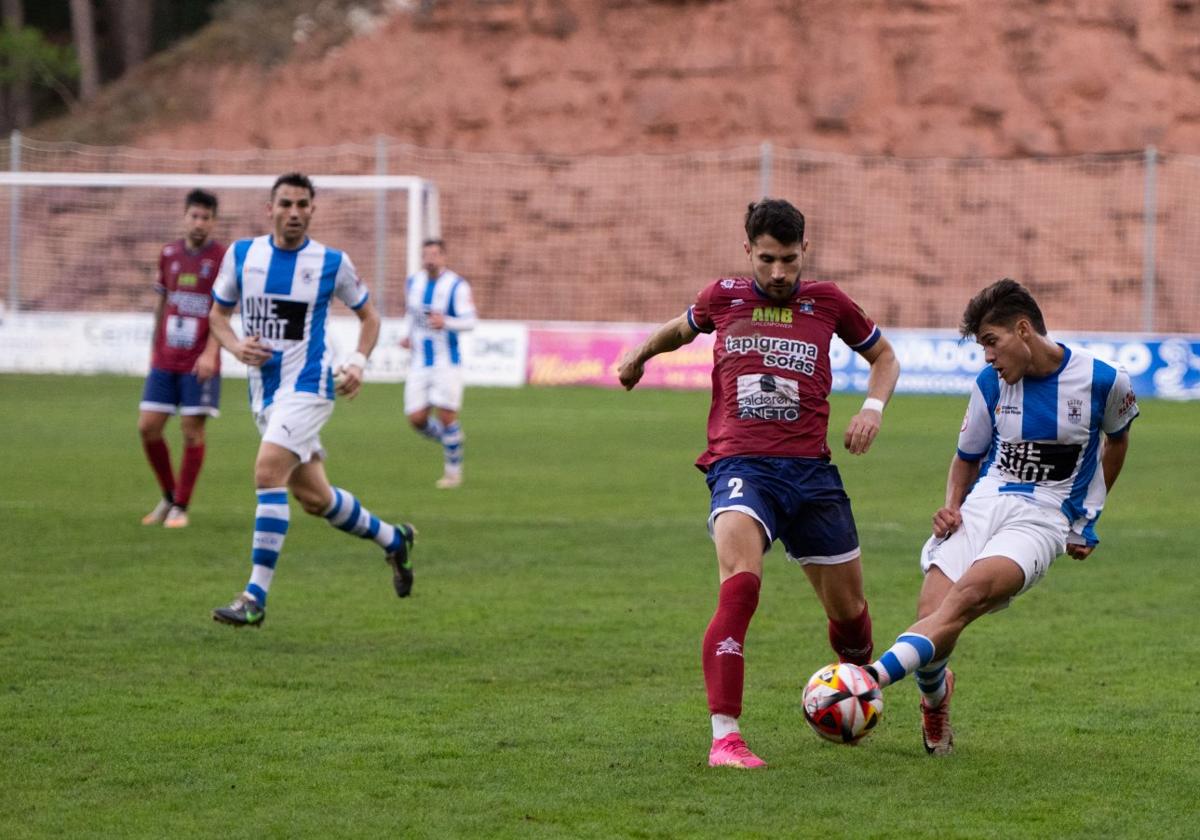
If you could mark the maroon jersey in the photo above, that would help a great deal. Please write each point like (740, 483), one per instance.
(771, 377)
(186, 278)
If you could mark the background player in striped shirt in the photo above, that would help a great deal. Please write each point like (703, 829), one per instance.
(185, 360)
(1043, 441)
(767, 462)
(285, 283)
(438, 306)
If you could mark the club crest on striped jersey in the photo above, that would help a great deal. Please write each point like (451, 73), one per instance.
(1075, 410)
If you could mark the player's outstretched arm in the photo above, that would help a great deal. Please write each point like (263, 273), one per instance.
(350, 375)
(881, 382)
(670, 336)
(248, 351)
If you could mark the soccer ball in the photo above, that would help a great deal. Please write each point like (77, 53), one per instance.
(842, 703)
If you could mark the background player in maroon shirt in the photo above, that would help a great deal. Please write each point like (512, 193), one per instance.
(767, 461)
(185, 361)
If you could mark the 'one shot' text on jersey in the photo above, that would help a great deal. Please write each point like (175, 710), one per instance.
(271, 318)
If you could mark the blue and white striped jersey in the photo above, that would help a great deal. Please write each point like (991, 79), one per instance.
(285, 299)
(1041, 436)
(449, 295)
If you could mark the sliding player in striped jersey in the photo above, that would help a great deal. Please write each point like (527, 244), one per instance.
(285, 282)
(437, 307)
(1043, 442)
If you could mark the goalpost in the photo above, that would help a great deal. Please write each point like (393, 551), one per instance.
(89, 241)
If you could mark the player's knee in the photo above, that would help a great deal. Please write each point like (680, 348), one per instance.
(267, 474)
(150, 429)
(968, 601)
(418, 421)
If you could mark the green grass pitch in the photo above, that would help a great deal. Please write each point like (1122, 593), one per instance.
(544, 679)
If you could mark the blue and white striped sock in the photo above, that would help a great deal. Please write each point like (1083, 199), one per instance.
(910, 652)
(452, 446)
(348, 514)
(432, 429)
(271, 519)
(931, 679)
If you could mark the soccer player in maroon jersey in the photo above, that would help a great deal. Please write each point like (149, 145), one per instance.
(185, 361)
(767, 461)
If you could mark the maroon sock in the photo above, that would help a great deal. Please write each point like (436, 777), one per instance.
(160, 461)
(724, 665)
(193, 459)
(851, 639)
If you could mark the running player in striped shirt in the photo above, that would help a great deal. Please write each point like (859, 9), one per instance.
(438, 306)
(767, 462)
(1043, 441)
(284, 283)
(185, 361)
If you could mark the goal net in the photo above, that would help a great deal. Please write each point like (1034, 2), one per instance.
(89, 241)
(1106, 242)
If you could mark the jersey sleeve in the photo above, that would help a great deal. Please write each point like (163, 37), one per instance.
(699, 314)
(349, 287)
(460, 314)
(225, 289)
(408, 287)
(975, 436)
(853, 325)
(1121, 408)
(160, 283)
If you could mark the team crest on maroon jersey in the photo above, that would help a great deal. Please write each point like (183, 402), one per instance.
(805, 306)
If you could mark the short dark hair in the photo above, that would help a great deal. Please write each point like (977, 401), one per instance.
(1003, 303)
(441, 243)
(202, 199)
(776, 217)
(294, 179)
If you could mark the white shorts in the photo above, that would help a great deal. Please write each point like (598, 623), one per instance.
(1007, 525)
(294, 422)
(432, 386)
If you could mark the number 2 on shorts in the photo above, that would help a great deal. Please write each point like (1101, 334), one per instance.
(735, 487)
